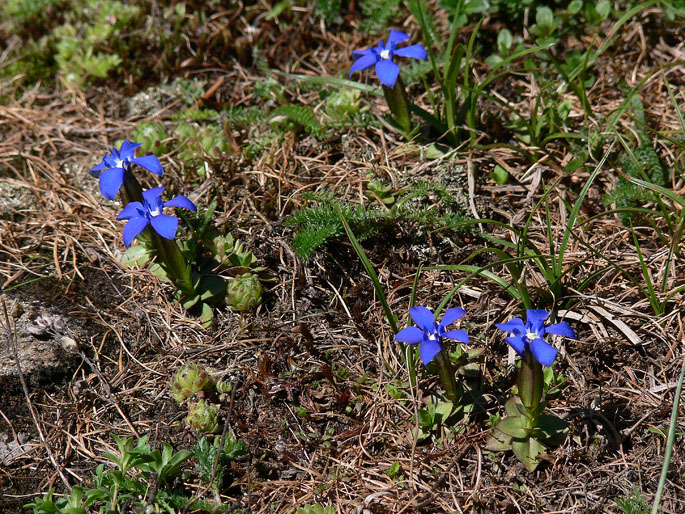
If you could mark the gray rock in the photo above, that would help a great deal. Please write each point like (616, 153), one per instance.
(46, 344)
(11, 449)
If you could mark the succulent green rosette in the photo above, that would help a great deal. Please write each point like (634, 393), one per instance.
(244, 292)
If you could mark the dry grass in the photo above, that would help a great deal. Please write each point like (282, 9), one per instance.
(60, 246)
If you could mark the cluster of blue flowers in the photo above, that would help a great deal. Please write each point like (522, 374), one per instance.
(112, 171)
(527, 337)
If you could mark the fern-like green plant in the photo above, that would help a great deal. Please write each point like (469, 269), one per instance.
(319, 222)
(329, 10)
(641, 161)
(634, 503)
(378, 14)
(299, 115)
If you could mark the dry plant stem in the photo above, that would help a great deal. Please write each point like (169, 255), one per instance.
(108, 392)
(11, 340)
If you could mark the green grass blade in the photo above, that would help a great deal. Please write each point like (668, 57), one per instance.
(659, 189)
(653, 300)
(369, 270)
(332, 81)
(576, 208)
(668, 452)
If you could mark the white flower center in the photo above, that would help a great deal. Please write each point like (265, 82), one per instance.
(531, 336)
(385, 54)
(155, 212)
(118, 163)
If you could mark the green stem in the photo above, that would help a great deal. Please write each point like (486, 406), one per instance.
(398, 103)
(178, 268)
(132, 192)
(530, 382)
(447, 376)
(168, 252)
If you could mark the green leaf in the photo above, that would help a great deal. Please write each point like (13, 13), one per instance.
(552, 429)
(514, 407)
(207, 315)
(514, 427)
(498, 441)
(603, 8)
(213, 287)
(505, 40)
(575, 6)
(136, 255)
(500, 175)
(527, 451)
(190, 302)
(443, 411)
(544, 16)
(493, 60)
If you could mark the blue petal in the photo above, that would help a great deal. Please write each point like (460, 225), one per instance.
(562, 328)
(152, 194)
(428, 350)
(95, 170)
(361, 53)
(364, 62)
(397, 37)
(535, 315)
(128, 149)
(181, 201)
(535, 320)
(543, 352)
(410, 335)
(415, 51)
(132, 210)
(451, 315)
(133, 227)
(515, 326)
(423, 317)
(517, 343)
(387, 72)
(150, 163)
(110, 182)
(165, 225)
(457, 335)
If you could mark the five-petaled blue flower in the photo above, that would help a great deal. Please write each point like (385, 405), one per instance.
(529, 336)
(382, 55)
(429, 333)
(114, 164)
(140, 215)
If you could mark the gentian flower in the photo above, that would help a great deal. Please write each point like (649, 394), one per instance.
(382, 54)
(114, 164)
(528, 337)
(140, 215)
(429, 333)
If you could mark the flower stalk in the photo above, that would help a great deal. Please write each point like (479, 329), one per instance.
(398, 103)
(429, 335)
(447, 375)
(167, 250)
(530, 382)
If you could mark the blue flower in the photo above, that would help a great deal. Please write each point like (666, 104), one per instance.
(140, 215)
(115, 163)
(382, 55)
(429, 333)
(529, 336)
